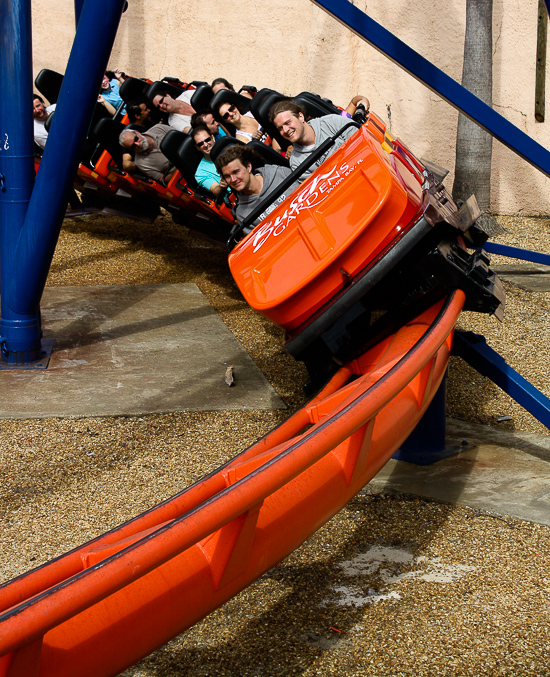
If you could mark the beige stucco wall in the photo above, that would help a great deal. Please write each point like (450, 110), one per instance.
(294, 45)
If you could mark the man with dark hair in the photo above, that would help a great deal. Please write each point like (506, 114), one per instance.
(289, 119)
(206, 174)
(207, 119)
(179, 110)
(139, 112)
(149, 158)
(221, 83)
(244, 172)
(40, 114)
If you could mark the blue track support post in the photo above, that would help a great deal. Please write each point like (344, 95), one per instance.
(427, 444)
(438, 81)
(38, 237)
(19, 331)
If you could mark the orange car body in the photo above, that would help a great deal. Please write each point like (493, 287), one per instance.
(351, 209)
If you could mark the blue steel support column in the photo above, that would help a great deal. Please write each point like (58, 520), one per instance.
(427, 444)
(78, 4)
(16, 169)
(438, 81)
(36, 244)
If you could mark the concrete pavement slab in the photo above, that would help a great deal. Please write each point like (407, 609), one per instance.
(127, 350)
(506, 472)
(527, 276)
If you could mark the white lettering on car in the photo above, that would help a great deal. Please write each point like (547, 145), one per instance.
(312, 196)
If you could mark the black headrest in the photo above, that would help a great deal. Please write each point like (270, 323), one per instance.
(256, 102)
(180, 149)
(260, 107)
(48, 122)
(229, 96)
(315, 106)
(174, 81)
(223, 143)
(107, 132)
(202, 97)
(48, 84)
(250, 89)
(270, 156)
(160, 86)
(133, 88)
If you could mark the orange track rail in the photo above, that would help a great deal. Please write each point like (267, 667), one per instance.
(105, 605)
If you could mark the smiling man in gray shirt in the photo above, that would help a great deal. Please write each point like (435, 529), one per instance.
(305, 137)
(245, 173)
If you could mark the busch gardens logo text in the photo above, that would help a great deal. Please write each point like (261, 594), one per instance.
(313, 195)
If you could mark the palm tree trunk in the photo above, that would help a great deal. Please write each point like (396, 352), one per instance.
(473, 144)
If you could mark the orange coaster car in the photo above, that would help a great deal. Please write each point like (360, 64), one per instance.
(371, 228)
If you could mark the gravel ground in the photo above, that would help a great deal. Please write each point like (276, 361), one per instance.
(391, 586)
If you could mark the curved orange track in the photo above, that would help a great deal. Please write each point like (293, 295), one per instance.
(109, 603)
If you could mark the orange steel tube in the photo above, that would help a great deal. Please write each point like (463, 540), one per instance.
(218, 536)
(59, 569)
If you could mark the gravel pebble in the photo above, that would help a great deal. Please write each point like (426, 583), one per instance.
(393, 585)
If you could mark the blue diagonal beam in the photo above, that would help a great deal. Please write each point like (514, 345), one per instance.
(473, 349)
(78, 4)
(438, 81)
(517, 253)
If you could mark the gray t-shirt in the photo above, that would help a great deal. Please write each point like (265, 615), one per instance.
(324, 128)
(153, 162)
(273, 175)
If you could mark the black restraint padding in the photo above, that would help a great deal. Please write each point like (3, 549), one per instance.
(133, 88)
(160, 86)
(202, 97)
(107, 132)
(48, 84)
(261, 105)
(315, 106)
(180, 149)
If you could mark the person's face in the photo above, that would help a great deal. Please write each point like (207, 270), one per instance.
(230, 113)
(145, 115)
(39, 110)
(237, 175)
(290, 126)
(211, 123)
(220, 85)
(204, 141)
(136, 141)
(164, 102)
(105, 84)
